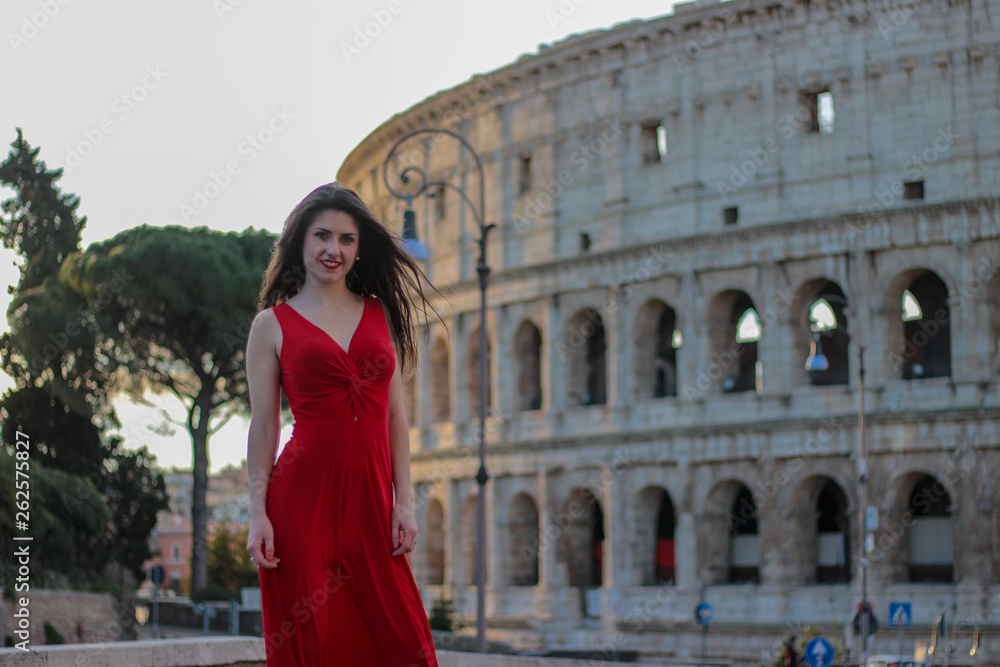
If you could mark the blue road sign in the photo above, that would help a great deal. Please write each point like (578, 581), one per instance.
(703, 613)
(900, 614)
(819, 652)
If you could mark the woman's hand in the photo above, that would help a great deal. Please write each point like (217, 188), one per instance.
(261, 542)
(403, 521)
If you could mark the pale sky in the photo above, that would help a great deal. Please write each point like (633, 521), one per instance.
(143, 101)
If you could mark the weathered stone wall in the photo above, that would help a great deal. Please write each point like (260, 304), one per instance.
(79, 617)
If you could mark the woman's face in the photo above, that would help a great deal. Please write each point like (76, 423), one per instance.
(330, 247)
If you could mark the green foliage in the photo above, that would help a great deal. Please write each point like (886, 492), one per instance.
(229, 564)
(59, 437)
(52, 635)
(135, 491)
(51, 342)
(40, 223)
(175, 306)
(442, 616)
(69, 521)
(68, 518)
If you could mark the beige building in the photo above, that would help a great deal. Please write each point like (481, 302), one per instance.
(228, 503)
(687, 206)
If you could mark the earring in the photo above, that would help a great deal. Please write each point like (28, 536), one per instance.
(358, 258)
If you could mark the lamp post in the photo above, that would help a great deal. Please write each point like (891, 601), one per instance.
(483, 269)
(818, 362)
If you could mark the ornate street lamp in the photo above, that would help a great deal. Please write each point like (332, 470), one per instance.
(410, 238)
(818, 362)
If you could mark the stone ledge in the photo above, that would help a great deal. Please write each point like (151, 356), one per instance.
(219, 652)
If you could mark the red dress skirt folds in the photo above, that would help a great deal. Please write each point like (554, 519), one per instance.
(338, 596)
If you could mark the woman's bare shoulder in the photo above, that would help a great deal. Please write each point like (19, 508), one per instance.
(265, 320)
(266, 330)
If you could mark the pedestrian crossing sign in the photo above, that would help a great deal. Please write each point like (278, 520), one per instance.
(900, 614)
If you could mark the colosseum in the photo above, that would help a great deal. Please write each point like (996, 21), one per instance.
(689, 209)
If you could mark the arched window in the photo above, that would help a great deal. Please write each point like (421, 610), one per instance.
(926, 328)
(665, 551)
(586, 359)
(931, 535)
(435, 543)
(469, 536)
(473, 375)
(734, 331)
(656, 341)
(522, 555)
(440, 382)
(828, 323)
(833, 550)
(668, 340)
(583, 539)
(744, 540)
(528, 354)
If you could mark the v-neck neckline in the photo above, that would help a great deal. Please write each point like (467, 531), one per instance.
(350, 343)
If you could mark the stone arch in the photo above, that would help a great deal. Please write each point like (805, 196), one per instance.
(919, 339)
(655, 525)
(656, 340)
(586, 359)
(472, 375)
(734, 361)
(582, 538)
(522, 529)
(832, 341)
(916, 538)
(440, 382)
(820, 532)
(729, 511)
(528, 360)
(435, 542)
(468, 535)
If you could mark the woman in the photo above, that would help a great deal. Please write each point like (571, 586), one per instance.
(332, 519)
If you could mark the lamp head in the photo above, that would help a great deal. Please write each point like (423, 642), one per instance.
(411, 243)
(816, 362)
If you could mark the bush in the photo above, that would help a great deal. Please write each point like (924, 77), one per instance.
(52, 635)
(442, 616)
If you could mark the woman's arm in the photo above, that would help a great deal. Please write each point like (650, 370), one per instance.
(264, 380)
(403, 525)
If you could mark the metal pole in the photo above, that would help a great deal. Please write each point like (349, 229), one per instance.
(156, 610)
(863, 463)
(484, 271)
(481, 477)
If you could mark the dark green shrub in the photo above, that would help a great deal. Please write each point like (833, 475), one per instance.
(52, 635)
(442, 616)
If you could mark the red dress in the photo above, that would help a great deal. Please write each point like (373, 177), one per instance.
(338, 596)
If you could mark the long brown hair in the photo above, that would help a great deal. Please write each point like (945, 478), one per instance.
(387, 272)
